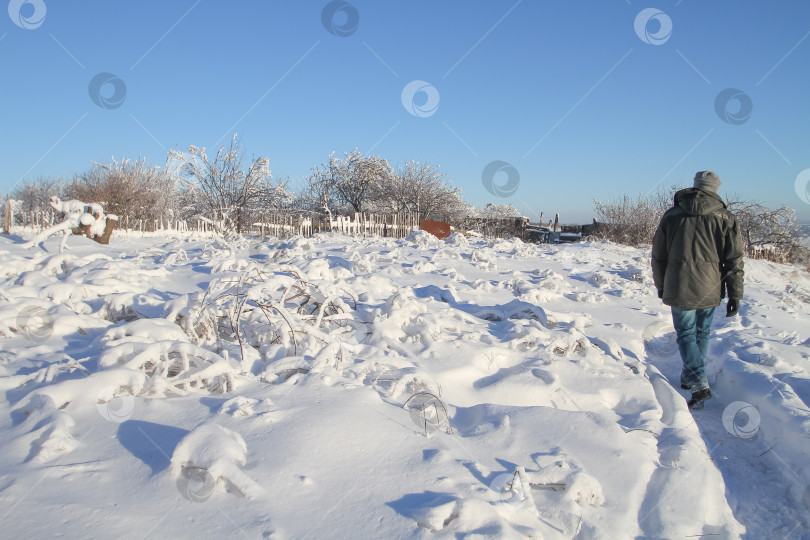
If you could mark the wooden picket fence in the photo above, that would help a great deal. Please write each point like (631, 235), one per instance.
(360, 224)
(37, 221)
(767, 253)
(283, 225)
(365, 224)
(279, 225)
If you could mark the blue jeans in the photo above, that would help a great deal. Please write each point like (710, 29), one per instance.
(693, 327)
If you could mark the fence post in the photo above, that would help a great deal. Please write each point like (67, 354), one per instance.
(8, 217)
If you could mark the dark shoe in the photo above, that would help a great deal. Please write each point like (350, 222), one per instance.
(698, 398)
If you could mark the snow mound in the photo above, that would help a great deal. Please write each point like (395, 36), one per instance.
(390, 389)
(423, 239)
(211, 455)
(457, 239)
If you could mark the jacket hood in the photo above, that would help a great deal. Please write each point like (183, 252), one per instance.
(697, 202)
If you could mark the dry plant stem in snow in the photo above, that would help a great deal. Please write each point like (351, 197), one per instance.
(264, 308)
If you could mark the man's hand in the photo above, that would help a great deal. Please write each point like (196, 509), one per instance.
(732, 307)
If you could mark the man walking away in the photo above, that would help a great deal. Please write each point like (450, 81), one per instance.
(697, 258)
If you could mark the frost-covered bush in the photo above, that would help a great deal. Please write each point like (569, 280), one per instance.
(275, 322)
(133, 190)
(631, 221)
(634, 221)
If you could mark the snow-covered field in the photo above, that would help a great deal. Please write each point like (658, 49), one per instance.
(337, 387)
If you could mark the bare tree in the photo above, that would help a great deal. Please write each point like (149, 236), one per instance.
(416, 187)
(319, 194)
(131, 189)
(225, 188)
(35, 196)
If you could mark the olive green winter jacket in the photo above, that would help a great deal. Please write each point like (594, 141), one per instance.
(697, 252)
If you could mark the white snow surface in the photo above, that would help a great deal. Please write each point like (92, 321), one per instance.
(338, 387)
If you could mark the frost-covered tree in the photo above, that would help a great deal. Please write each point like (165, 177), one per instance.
(360, 183)
(496, 220)
(225, 187)
(275, 197)
(353, 180)
(456, 211)
(498, 211)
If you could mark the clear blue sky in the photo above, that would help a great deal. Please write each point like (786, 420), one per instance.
(579, 97)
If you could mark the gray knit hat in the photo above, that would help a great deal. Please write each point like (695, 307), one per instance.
(707, 181)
